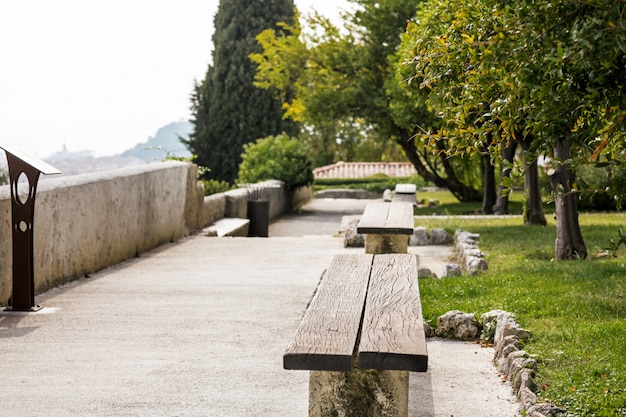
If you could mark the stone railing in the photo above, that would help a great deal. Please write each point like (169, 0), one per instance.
(88, 222)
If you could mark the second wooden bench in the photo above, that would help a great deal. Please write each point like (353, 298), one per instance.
(387, 227)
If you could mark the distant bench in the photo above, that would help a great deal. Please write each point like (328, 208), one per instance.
(387, 227)
(405, 193)
(366, 314)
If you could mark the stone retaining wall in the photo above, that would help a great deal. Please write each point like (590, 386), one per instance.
(85, 223)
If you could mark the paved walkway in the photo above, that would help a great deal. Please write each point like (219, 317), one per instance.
(198, 328)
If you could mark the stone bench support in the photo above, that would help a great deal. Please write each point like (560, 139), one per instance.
(361, 335)
(360, 392)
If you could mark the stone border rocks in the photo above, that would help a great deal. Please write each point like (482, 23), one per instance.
(470, 256)
(351, 239)
(422, 237)
(501, 329)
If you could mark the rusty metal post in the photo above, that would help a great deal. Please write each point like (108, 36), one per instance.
(24, 171)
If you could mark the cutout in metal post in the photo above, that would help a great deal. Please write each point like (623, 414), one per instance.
(24, 172)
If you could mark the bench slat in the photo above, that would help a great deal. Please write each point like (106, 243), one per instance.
(374, 217)
(327, 335)
(387, 218)
(393, 332)
(401, 218)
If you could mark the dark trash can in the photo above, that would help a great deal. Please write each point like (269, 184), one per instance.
(259, 215)
(258, 210)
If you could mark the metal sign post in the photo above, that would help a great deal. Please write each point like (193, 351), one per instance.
(24, 172)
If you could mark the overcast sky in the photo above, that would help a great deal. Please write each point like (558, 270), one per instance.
(103, 75)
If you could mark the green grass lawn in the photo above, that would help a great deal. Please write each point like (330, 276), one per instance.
(576, 310)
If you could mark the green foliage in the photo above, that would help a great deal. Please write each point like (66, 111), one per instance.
(575, 310)
(614, 245)
(277, 158)
(201, 171)
(228, 111)
(342, 83)
(597, 185)
(542, 71)
(548, 73)
(215, 187)
(4, 177)
(316, 63)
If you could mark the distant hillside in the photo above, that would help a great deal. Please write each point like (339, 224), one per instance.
(82, 164)
(165, 143)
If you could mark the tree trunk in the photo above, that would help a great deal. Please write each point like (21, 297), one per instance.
(451, 182)
(489, 185)
(569, 239)
(502, 201)
(533, 209)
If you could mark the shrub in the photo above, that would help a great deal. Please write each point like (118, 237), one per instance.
(277, 158)
(215, 186)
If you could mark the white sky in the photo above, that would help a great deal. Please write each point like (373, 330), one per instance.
(103, 75)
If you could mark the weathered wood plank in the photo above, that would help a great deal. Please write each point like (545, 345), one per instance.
(400, 218)
(327, 335)
(392, 335)
(387, 218)
(374, 218)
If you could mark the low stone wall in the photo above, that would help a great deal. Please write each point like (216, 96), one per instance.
(234, 203)
(85, 223)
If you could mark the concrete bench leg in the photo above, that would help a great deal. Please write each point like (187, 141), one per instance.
(386, 243)
(359, 393)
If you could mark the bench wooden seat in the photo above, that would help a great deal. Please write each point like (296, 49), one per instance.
(387, 218)
(387, 227)
(383, 289)
(366, 315)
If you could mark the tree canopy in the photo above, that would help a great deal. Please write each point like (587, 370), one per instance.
(343, 79)
(548, 72)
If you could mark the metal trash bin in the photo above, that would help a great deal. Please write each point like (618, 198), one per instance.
(258, 210)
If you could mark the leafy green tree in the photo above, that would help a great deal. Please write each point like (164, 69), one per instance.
(277, 158)
(228, 111)
(345, 76)
(548, 73)
(443, 47)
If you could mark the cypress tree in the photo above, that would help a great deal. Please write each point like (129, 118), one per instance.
(228, 111)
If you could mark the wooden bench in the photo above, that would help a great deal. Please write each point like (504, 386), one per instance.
(387, 227)
(361, 335)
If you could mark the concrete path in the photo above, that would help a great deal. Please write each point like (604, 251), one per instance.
(198, 328)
